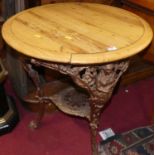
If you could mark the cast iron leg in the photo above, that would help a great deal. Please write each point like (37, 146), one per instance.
(39, 94)
(96, 109)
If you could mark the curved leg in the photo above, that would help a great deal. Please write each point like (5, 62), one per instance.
(39, 94)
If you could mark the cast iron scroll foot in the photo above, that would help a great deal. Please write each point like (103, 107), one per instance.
(43, 102)
(35, 123)
(94, 145)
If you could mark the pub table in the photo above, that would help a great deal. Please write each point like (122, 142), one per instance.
(90, 43)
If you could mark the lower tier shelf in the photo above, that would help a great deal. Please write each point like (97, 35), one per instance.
(72, 102)
(64, 96)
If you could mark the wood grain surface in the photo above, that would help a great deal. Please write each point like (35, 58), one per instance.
(77, 33)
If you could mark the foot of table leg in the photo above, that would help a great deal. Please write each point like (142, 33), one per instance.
(96, 109)
(94, 145)
(35, 123)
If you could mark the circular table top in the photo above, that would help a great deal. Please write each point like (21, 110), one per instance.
(77, 33)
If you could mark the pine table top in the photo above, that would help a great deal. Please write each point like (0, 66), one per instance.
(77, 33)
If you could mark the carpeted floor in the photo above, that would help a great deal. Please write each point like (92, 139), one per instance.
(60, 134)
(138, 141)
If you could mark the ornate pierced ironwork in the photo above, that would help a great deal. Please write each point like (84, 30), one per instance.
(98, 80)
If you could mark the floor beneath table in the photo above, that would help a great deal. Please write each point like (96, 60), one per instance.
(60, 134)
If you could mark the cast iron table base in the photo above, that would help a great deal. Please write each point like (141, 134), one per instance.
(98, 81)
